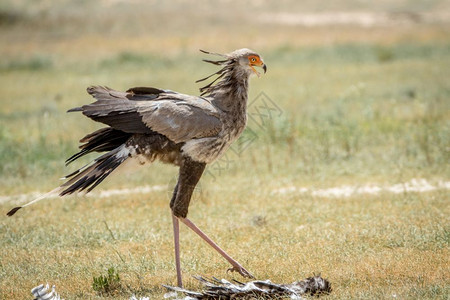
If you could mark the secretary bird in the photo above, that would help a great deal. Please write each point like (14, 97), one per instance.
(151, 123)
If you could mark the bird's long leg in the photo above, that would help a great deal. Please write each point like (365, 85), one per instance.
(236, 266)
(176, 237)
(190, 173)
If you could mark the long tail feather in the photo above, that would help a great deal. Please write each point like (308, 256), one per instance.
(49, 194)
(89, 176)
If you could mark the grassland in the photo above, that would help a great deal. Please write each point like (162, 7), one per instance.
(356, 105)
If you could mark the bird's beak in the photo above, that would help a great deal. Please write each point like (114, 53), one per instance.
(262, 65)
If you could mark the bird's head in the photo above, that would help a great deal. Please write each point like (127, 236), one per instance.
(240, 64)
(248, 60)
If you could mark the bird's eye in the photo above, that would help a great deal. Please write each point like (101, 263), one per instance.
(253, 59)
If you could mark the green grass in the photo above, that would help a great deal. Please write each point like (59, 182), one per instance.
(356, 106)
(372, 124)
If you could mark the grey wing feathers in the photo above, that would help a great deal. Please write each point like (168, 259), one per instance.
(114, 109)
(145, 110)
(180, 121)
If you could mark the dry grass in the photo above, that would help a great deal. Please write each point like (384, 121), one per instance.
(358, 105)
(368, 247)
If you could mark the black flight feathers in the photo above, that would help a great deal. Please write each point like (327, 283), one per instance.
(145, 91)
(105, 139)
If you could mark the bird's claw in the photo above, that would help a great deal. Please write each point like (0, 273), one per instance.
(241, 270)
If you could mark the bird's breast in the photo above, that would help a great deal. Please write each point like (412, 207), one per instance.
(210, 149)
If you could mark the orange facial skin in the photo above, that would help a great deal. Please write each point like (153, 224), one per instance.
(255, 60)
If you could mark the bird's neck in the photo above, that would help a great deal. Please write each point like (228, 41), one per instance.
(231, 93)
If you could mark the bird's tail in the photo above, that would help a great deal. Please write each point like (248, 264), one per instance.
(88, 177)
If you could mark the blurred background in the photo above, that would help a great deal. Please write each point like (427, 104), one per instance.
(357, 92)
(362, 87)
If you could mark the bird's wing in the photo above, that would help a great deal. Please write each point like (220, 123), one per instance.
(144, 110)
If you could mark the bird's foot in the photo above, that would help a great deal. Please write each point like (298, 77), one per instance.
(241, 270)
